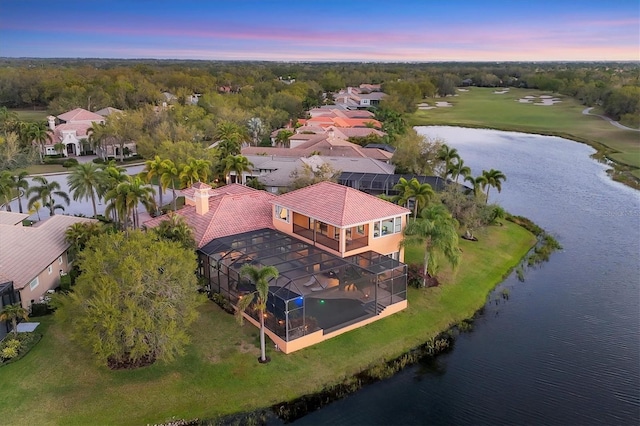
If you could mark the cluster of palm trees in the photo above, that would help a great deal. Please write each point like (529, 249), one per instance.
(454, 166)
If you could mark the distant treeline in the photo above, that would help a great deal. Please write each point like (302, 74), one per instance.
(277, 92)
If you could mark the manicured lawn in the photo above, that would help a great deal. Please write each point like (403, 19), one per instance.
(481, 107)
(58, 382)
(31, 115)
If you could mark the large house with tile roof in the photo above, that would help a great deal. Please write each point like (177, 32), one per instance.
(72, 130)
(32, 258)
(337, 251)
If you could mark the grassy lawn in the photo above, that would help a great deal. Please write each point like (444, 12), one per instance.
(58, 382)
(481, 107)
(31, 115)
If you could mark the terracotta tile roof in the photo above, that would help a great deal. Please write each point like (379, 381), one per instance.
(80, 114)
(338, 205)
(80, 129)
(359, 132)
(233, 209)
(25, 251)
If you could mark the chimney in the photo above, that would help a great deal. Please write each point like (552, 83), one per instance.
(52, 122)
(201, 197)
(349, 90)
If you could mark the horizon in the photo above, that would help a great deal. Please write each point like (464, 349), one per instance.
(329, 32)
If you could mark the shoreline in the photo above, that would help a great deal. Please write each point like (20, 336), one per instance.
(619, 172)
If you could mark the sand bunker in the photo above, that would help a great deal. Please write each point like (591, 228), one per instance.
(463, 90)
(501, 92)
(443, 104)
(544, 100)
(424, 106)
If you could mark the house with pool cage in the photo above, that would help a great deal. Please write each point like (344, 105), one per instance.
(337, 251)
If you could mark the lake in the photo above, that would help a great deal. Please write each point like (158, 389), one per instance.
(564, 347)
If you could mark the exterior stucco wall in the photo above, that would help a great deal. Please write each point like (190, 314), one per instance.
(46, 281)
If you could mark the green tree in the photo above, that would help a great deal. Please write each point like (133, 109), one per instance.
(307, 175)
(175, 228)
(45, 191)
(85, 181)
(494, 178)
(260, 278)
(477, 184)
(237, 164)
(6, 189)
(282, 138)
(21, 185)
(196, 170)
(448, 155)
(40, 134)
(436, 231)
(420, 193)
(154, 169)
(125, 198)
(170, 174)
(79, 234)
(141, 310)
(13, 313)
(459, 169)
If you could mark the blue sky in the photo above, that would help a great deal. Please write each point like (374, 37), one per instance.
(347, 30)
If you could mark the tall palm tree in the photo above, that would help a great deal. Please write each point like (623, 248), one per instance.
(229, 131)
(447, 155)
(79, 234)
(459, 169)
(21, 185)
(85, 181)
(45, 192)
(98, 134)
(170, 174)
(14, 313)
(238, 164)
(40, 134)
(477, 183)
(154, 169)
(226, 148)
(421, 194)
(125, 198)
(494, 179)
(6, 189)
(260, 277)
(437, 231)
(196, 170)
(35, 208)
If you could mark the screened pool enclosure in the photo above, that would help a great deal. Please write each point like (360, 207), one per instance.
(314, 291)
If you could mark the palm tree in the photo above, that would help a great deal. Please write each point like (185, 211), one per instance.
(6, 189)
(40, 134)
(21, 185)
(478, 184)
(229, 131)
(494, 178)
(175, 228)
(436, 230)
(226, 148)
(79, 234)
(125, 198)
(35, 208)
(447, 155)
(98, 134)
(170, 173)
(421, 194)
(459, 169)
(85, 181)
(260, 277)
(238, 164)
(195, 170)
(45, 192)
(282, 138)
(13, 313)
(154, 169)
(255, 129)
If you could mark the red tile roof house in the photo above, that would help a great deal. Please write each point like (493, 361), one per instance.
(337, 251)
(72, 131)
(34, 257)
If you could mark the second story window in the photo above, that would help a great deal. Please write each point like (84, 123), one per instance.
(387, 226)
(282, 213)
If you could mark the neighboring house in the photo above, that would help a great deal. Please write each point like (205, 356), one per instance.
(8, 296)
(34, 257)
(274, 172)
(332, 144)
(72, 130)
(337, 251)
(354, 98)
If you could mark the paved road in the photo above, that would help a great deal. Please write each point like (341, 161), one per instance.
(587, 111)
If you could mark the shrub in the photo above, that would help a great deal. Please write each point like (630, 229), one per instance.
(65, 283)
(98, 160)
(9, 352)
(221, 301)
(70, 163)
(40, 309)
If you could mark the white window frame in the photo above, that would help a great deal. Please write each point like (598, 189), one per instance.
(34, 283)
(60, 260)
(396, 227)
(50, 269)
(279, 210)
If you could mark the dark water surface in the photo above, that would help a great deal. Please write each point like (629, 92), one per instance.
(564, 349)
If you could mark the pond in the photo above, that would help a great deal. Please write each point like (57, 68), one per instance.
(564, 346)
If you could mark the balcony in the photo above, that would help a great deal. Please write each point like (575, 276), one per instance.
(322, 239)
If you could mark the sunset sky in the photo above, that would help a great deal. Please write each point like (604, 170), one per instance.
(328, 30)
